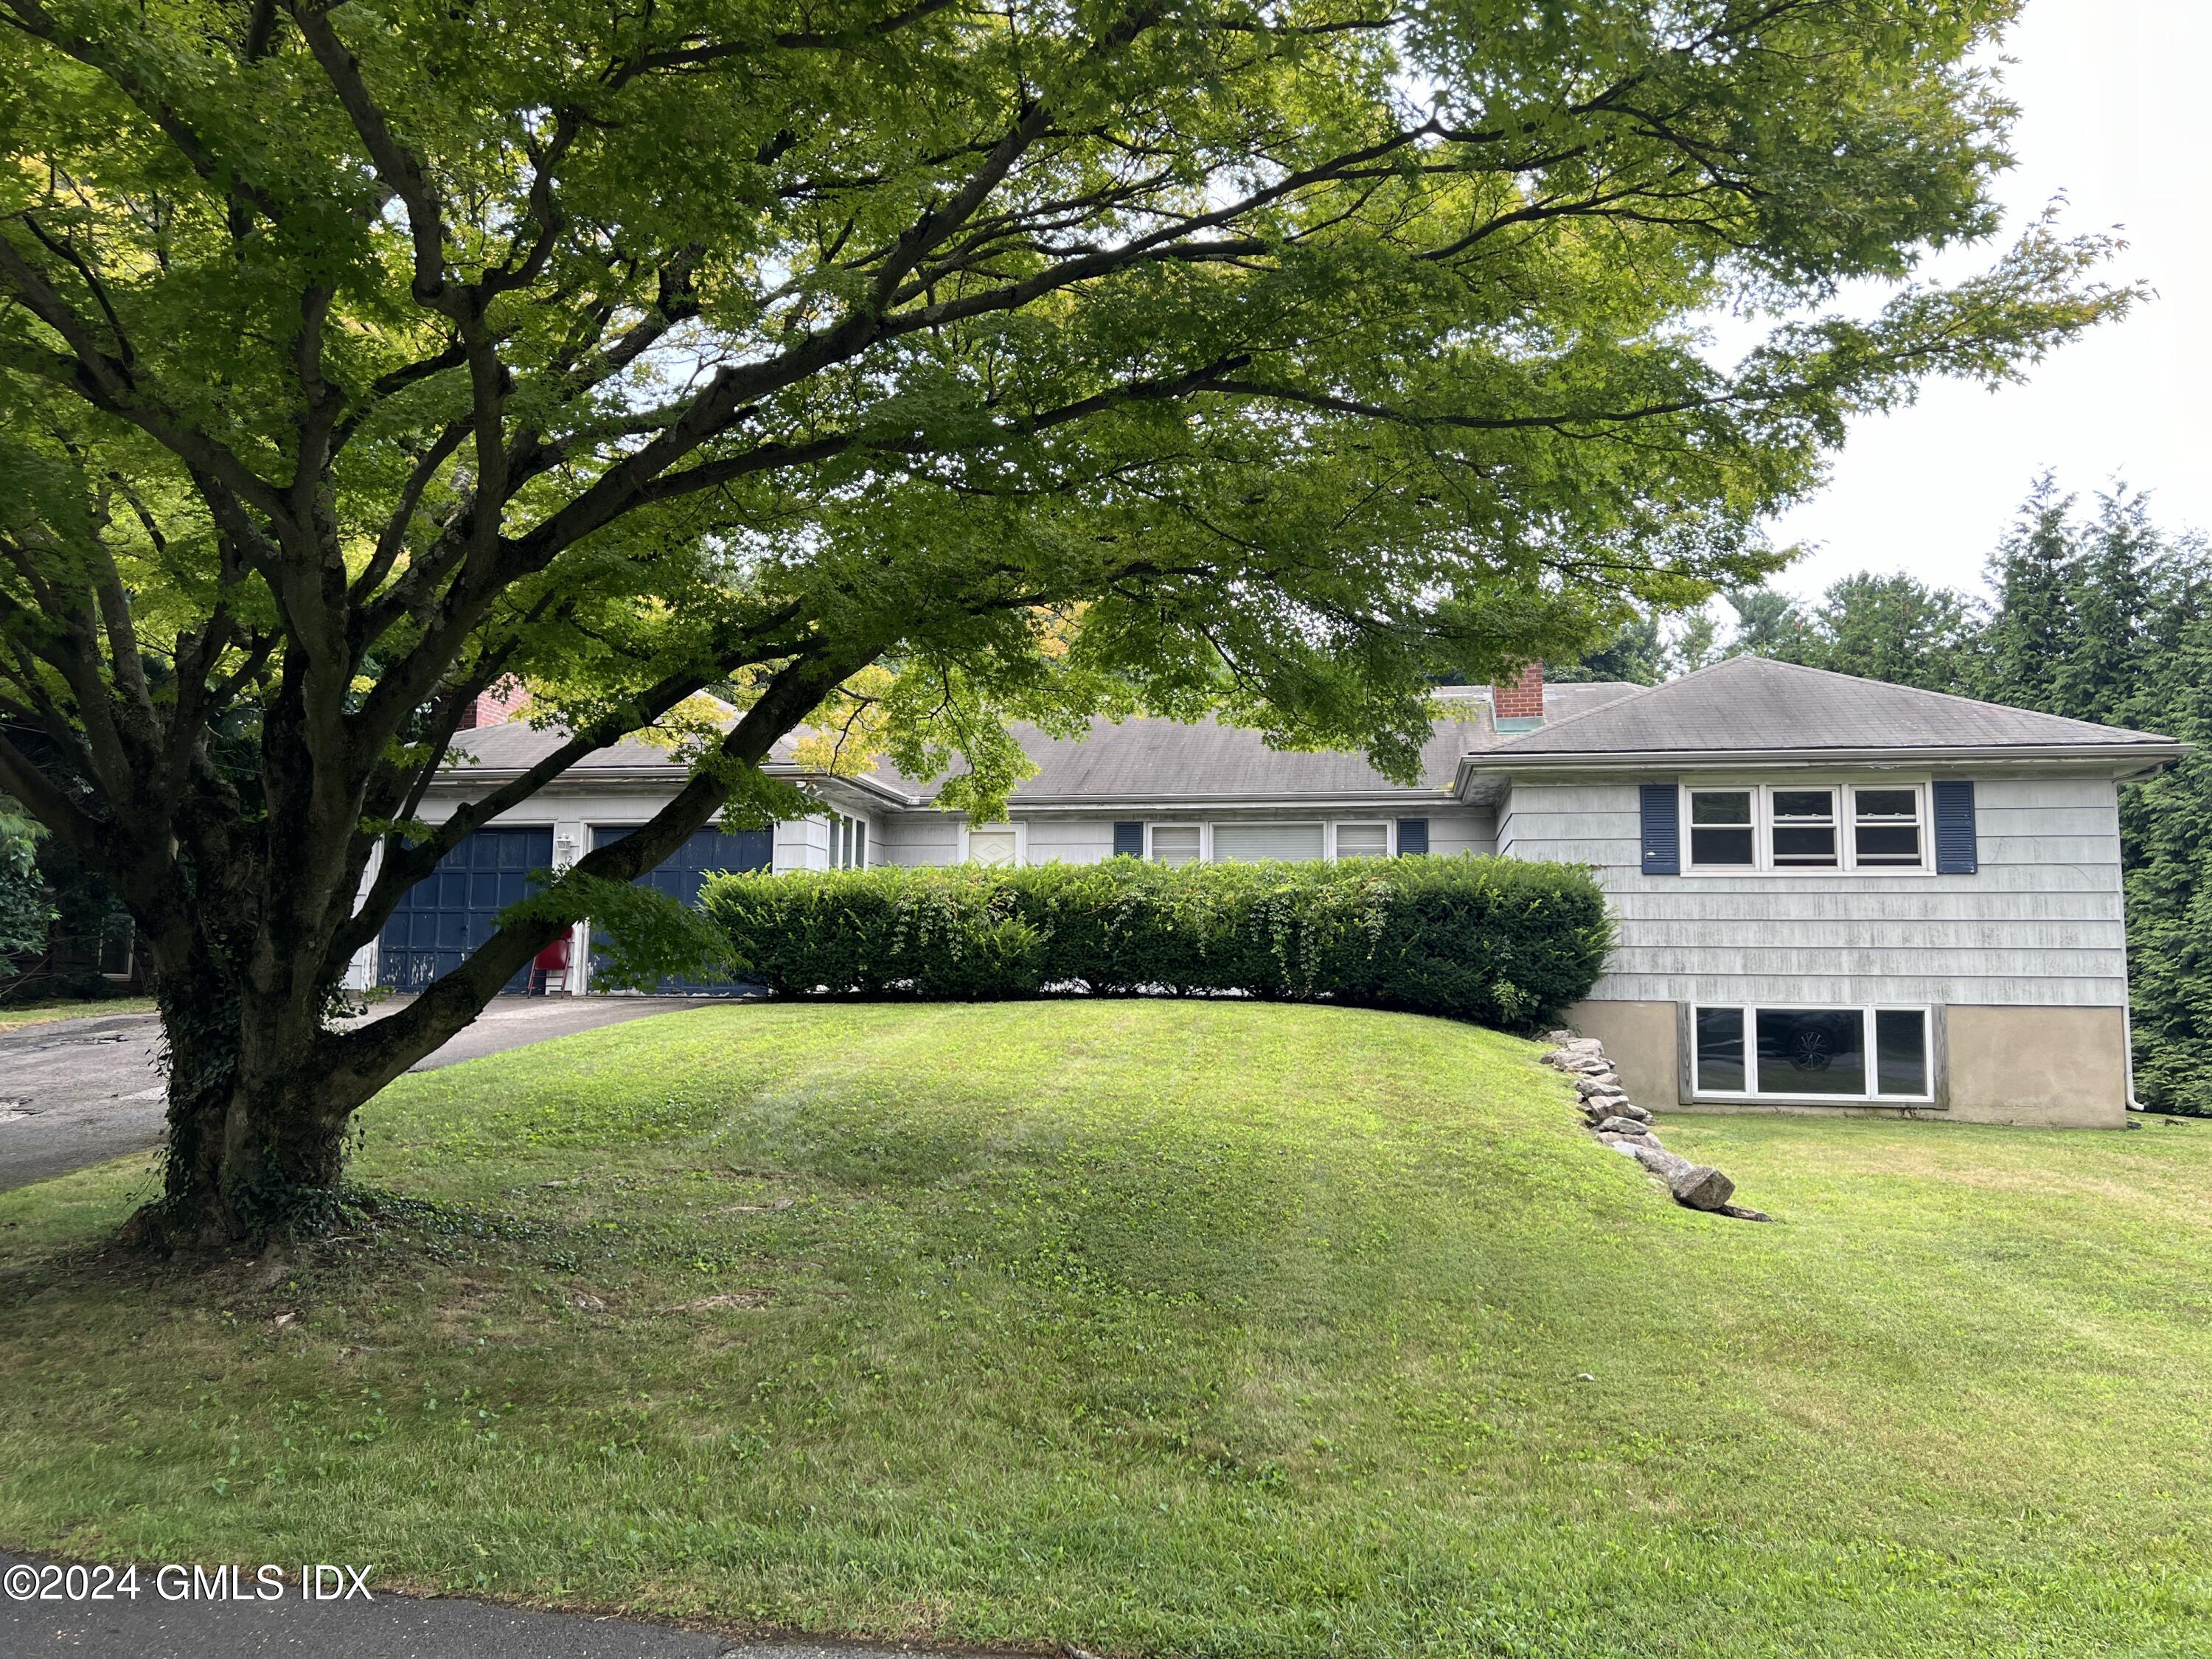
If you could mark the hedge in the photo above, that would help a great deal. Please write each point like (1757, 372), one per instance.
(1503, 942)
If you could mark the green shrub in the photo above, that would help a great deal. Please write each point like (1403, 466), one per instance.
(1500, 941)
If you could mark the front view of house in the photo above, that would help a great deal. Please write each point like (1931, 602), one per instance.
(1829, 893)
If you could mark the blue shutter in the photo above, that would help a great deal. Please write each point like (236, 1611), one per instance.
(1662, 828)
(1957, 853)
(1128, 838)
(1413, 836)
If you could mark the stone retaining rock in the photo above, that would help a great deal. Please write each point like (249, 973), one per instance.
(1627, 1128)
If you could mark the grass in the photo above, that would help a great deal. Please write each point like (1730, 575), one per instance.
(1193, 1329)
(14, 1016)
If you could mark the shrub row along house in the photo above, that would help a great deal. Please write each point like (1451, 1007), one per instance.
(1829, 893)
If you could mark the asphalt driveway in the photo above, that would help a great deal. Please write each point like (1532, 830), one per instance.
(75, 1092)
(388, 1627)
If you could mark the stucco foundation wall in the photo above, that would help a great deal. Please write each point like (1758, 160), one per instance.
(2060, 1068)
(2054, 1068)
(1641, 1039)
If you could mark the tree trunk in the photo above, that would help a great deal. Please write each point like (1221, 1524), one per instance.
(254, 1149)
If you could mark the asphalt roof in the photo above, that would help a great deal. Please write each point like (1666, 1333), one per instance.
(1752, 705)
(1136, 760)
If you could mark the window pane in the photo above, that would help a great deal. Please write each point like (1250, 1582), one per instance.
(1244, 843)
(1805, 844)
(1889, 843)
(1812, 1051)
(1720, 806)
(1720, 846)
(860, 843)
(1887, 830)
(1900, 1046)
(1887, 803)
(1804, 803)
(991, 846)
(1720, 1050)
(1175, 843)
(1362, 840)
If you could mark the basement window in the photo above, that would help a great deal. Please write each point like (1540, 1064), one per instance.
(1849, 1054)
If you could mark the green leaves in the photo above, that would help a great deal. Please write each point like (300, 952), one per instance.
(1502, 941)
(640, 935)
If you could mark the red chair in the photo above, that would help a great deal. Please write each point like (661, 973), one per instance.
(553, 959)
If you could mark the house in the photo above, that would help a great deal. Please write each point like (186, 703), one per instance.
(1830, 893)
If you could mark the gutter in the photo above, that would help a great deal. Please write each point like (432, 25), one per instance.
(672, 777)
(2132, 759)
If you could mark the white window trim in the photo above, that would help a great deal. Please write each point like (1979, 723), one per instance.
(830, 820)
(1866, 1011)
(1330, 826)
(1328, 836)
(1762, 826)
(1205, 837)
(1021, 838)
(1389, 827)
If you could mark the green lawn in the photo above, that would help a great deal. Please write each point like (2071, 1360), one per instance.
(1195, 1328)
(14, 1016)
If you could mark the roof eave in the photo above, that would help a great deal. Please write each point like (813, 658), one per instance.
(1376, 799)
(2123, 759)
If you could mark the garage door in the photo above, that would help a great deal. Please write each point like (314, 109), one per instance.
(683, 872)
(455, 908)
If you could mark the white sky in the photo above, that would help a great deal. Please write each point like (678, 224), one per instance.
(2108, 91)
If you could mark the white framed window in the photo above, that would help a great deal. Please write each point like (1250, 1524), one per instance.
(1888, 828)
(848, 842)
(1362, 840)
(1176, 843)
(1870, 1052)
(994, 843)
(1775, 829)
(1249, 843)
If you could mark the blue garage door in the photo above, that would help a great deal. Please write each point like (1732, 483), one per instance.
(455, 908)
(683, 872)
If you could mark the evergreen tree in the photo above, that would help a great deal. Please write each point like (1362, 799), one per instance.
(2033, 631)
(1767, 624)
(1697, 645)
(1880, 628)
(1634, 652)
(1893, 628)
(2109, 580)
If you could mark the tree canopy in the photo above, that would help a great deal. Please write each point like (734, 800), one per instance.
(1038, 359)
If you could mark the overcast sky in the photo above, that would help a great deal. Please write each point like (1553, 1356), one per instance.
(2110, 119)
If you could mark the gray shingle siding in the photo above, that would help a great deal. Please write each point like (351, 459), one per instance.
(2039, 923)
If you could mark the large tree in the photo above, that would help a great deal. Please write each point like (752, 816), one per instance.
(1035, 357)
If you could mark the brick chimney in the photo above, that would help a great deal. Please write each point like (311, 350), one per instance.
(496, 706)
(1522, 701)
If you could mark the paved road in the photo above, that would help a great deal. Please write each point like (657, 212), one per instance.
(388, 1627)
(80, 1091)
